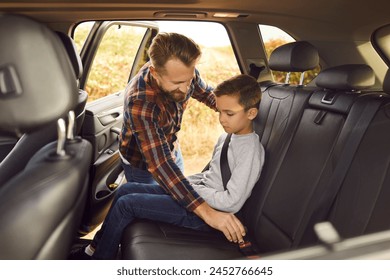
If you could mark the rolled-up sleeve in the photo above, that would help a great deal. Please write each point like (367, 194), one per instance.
(203, 92)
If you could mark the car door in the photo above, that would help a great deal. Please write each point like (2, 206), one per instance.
(112, 53)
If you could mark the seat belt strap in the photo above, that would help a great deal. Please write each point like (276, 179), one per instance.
(225, 169)
(246, 248)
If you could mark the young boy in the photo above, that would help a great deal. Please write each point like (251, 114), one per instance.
(237, 101)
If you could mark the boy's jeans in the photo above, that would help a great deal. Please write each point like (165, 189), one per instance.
(141, 197)
(146, 201)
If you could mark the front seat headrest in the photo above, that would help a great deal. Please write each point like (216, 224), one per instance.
(37, 82)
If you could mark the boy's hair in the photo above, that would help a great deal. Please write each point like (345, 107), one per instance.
(243, 86)
(166, 46)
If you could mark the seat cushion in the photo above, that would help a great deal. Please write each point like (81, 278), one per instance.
(145, 240)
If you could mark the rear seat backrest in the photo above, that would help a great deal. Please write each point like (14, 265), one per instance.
(281, 220)
(362, 205)
(280, 110)
(278, 100)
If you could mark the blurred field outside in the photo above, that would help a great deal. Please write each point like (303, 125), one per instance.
(200, 127)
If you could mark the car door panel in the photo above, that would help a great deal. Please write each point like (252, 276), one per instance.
(102, 123)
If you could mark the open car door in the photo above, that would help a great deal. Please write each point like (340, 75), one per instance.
(112, 53)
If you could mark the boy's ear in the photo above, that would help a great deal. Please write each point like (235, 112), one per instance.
(252, 113)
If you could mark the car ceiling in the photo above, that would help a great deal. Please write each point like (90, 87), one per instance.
(326, 19)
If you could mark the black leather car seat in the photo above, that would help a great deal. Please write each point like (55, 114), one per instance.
(31, 142)
(42, 204)
(307, 163)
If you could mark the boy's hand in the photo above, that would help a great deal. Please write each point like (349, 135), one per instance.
(228, 223)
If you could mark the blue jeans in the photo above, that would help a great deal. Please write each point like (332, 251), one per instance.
(145, 201)
(139, 182)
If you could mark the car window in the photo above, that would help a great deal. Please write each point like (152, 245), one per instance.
(274, 37)
(81, 33)
(113, 61)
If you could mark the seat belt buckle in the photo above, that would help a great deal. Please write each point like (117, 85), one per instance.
(248, 250)
(245, 244)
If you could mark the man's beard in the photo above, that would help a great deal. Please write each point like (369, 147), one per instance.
(176, 95)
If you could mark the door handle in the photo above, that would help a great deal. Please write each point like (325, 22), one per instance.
(116, 130)
(108, 118)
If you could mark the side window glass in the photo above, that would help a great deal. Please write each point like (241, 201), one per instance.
(114, 58)
(113, 61)
(81, 33)
(274, 37)
(200, 127)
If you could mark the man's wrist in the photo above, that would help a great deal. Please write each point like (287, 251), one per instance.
(202, 211)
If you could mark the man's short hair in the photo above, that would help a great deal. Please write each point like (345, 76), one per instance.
(166, 46)
(243, 86)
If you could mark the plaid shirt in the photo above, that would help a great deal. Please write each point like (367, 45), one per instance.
(149, 131)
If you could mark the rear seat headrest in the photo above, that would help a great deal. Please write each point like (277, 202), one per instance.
(74, 56)
(348, 77)
(294, 57)
(37, 82)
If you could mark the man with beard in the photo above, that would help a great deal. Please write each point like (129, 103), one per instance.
(155, 100)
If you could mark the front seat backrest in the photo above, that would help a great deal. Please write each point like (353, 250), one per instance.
(31, 142)
(41, 206)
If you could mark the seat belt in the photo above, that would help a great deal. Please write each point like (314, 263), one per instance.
(225, 169)
(352, 143)
(245, 247)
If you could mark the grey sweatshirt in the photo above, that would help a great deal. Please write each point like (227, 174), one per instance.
(246, 159)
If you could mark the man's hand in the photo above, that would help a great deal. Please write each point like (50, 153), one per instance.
(228, 223)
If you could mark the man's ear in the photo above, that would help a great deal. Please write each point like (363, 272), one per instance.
(152, 71)
(252, 113)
